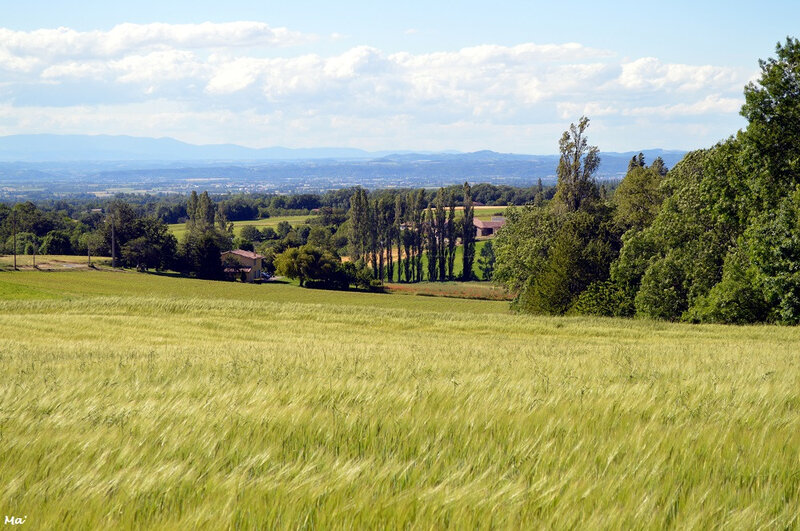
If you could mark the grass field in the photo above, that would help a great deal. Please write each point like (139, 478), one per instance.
(486, 212)
(51, 262)
(143, 401)
(464, 290)
(458, 264)
(178, 229)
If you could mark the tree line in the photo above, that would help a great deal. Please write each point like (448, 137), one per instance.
(714, 239)
(392, 233)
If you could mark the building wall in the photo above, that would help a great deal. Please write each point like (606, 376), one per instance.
(253, 264)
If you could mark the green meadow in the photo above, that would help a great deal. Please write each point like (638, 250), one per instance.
(179, 229)
(142, 401)
(458, 262)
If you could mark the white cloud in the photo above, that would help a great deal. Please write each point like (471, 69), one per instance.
(651, 73)
(65, 43)
(234, 77)
(570, 110)
(75, 70)
(15, 63)
(712, 104)
(362, 60)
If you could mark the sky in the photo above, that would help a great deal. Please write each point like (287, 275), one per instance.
(469, 75)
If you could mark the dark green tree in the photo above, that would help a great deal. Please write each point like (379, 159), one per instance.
(440, 234)
(638, 198)
(399, 221)
(419, 232)
(56, 242)
(659, 167)
(431, 245)
(486, 260)
(772, 108)
(468, 234)
(451, 235)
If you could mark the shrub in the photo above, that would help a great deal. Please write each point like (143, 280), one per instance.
(663, 293)
(603, 298)
(735, 299)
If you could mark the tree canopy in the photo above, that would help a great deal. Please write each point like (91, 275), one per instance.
(716, 238)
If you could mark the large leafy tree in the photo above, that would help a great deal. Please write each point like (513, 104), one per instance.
(576, 168)
(772, 108)
(547, 255)
(723, 246)
(578, 253)
(638, 197)
(687, 240)
(208, 231)
(308, 263)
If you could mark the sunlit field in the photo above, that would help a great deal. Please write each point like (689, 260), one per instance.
(154, 402)
(463, 290)
(178, 229)
(51, 262)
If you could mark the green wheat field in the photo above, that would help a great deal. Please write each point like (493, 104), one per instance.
(140, 401)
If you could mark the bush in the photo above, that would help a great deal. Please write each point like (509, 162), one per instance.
(663, 294)
(56, 242)
(774, 249)
(313, 267)
(735, 299)
(603, 298)
(251, 233)
(268, 233)
(549, 292)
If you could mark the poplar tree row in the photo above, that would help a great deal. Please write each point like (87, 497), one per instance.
(392, 234)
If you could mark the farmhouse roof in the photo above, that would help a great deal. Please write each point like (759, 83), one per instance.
(244, 254)
(494, 224)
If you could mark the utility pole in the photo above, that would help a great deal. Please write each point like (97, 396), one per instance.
(34, 252)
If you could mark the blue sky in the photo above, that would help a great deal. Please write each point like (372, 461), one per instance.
(507, 76)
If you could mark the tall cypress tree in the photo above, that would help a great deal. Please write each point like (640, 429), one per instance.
(451, 235)
(468, 234)
(386, 235)
(204, 213)
(408, 236)
(399, 217)
(419, 215)
(538, 199)
(439, 235)
(191, 211)
(358, 221)
(430, 245)
(372, 235)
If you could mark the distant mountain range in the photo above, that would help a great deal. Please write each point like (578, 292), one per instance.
(61, 148)
(38, 166)
(98, 148)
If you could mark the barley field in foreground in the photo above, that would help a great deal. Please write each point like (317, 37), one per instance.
(150, 402)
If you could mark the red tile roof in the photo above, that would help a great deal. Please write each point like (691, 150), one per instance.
(488, 224)
(244, 254)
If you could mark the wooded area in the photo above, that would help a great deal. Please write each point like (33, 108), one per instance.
(715, 239)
